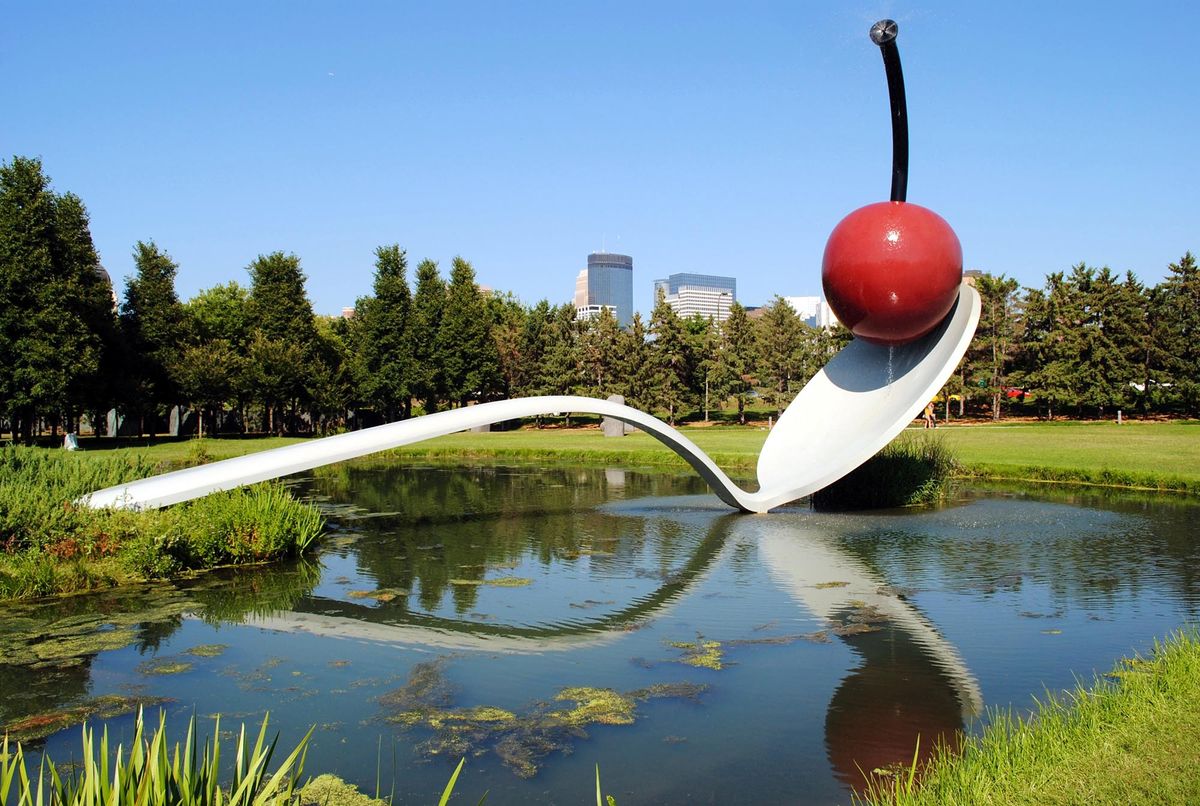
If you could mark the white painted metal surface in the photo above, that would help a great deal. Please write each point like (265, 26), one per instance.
(853, 407)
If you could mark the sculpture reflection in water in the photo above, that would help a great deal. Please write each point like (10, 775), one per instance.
(911, 682)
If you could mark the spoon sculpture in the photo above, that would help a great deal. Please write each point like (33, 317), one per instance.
(907, 348)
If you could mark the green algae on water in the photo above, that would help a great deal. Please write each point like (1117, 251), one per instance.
(207, 650)
(329, 790)
(36, 727)
(164, 666)
(519, 739)
(701, 653)
(498, 582)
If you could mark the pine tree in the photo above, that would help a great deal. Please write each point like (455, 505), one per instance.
(1181, 309)
(636, 366)
(781, 355)
(429, 302)
(671, 362)
(733, 365)
(598, 355)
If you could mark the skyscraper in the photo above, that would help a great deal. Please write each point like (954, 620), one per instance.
(709, 295)
(608, 280)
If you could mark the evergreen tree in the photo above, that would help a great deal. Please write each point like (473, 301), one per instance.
(1181, 309)
(559, 371)
(995, 337)
(385, 340)
(508, 319)
(781, 355)
(153, 328)
(734, 362)
(598, 355)
(429, 302)
(637, 366)
(671, 362)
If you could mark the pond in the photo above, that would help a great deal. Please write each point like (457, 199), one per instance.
(541, 621)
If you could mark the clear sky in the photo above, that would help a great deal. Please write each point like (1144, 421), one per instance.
(724, 138)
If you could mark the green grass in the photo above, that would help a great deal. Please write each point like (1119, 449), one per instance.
(1133, 737)
(50, 545)
(1150, 455)
(915, 469)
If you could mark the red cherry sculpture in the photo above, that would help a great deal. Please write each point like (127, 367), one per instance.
(891, 271)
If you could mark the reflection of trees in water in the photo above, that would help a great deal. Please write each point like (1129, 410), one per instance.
(1098, 552)
(897, 694)
(457, 523)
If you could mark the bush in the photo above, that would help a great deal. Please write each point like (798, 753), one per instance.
(909, 472)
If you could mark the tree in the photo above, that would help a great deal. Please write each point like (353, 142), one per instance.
(152, 325)
(221, 312)
(671, 361)
(55, 303)
(468, 353)
(995, 337)
(281, 318)
(734, 365)
(208, 376)
(385, 343)
(781, 355)
(637, 366)
(429, 302)
(1181, 310)
(598, 355)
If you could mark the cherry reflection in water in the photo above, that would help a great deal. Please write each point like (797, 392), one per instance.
(910, 682)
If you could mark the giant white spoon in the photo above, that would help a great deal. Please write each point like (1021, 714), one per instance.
(854, 406)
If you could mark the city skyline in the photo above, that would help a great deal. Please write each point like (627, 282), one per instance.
(727, 137)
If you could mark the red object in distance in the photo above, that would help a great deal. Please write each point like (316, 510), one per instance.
(891, 271)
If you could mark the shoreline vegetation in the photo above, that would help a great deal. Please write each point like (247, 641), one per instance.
(1131, 737)
(51, 545)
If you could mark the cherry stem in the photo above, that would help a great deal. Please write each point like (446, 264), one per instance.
(883, 34)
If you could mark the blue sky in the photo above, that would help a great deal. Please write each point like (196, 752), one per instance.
(712, 137)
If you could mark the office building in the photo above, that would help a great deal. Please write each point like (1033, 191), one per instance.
(814, 311)
(607, 282)
(708, 295)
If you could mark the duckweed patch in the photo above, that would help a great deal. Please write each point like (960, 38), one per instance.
(701, 653)
(498, 582)
(329, 790)
(207, 650)
(520, 740)
(164, 666)
(825, 585)
(379, 595)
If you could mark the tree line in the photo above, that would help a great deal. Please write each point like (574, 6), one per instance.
(257, 358)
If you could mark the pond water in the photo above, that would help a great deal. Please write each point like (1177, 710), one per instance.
(540, 621)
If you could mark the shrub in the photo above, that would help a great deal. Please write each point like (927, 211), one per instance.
(910, 471)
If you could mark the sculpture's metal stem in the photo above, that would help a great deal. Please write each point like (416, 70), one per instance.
(883, 34)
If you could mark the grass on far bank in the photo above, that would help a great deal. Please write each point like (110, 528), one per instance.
(1149, 455)
(1132, 738)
